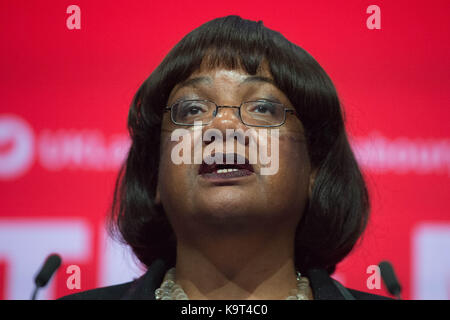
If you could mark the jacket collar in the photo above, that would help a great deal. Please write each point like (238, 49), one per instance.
(143, 288)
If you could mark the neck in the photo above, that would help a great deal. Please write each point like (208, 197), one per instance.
(250, 266)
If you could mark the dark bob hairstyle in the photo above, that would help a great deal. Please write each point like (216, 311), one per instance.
(338, 209)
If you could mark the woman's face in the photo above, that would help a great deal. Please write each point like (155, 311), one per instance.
(193, 200)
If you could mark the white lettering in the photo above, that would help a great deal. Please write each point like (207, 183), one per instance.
(373, 21)
(74, 20)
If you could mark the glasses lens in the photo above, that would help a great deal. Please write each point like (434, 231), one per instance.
(189, 111)
(262, 113)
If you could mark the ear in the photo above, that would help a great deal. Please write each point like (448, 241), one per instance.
(312, 179)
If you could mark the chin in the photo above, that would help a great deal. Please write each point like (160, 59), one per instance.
(229, 216)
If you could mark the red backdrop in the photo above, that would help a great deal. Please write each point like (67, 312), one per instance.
(65, 95)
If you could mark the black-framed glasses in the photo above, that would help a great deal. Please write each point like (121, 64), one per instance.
(259, 113)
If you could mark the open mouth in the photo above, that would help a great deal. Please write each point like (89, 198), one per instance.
(225, 170)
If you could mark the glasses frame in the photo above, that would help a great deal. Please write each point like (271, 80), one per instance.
(285, 109)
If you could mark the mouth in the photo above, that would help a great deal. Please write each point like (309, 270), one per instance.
(240, 167)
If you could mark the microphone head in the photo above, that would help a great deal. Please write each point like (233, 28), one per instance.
(389, 278)
(51, 264)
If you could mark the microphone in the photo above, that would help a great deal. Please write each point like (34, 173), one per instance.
(390, 279)
(51, 264)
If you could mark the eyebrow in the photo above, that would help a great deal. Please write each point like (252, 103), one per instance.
(193, 82)
(258, 79)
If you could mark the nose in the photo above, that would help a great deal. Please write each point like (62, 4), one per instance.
(227, 117)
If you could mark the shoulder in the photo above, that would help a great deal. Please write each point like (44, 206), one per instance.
(326, 288)
(142, 288)
(351, 294)
(360, 295)
(115, 292)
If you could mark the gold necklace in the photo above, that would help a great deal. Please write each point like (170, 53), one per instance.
(170, 290)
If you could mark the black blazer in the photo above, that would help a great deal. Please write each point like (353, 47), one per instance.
(143, 288)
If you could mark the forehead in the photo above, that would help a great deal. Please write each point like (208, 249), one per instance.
(222, 76)
(214, 78)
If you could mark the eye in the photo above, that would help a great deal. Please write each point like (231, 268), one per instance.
(261, 107)
(192, 108)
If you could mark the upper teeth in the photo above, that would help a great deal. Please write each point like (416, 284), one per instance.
(226, 170)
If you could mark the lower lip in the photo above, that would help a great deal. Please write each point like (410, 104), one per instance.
(227, 175)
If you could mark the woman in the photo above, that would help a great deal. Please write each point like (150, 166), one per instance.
(227, 231)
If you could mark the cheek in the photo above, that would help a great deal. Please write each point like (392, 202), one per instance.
(292, 178)
(294, 154)
(174, 180)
